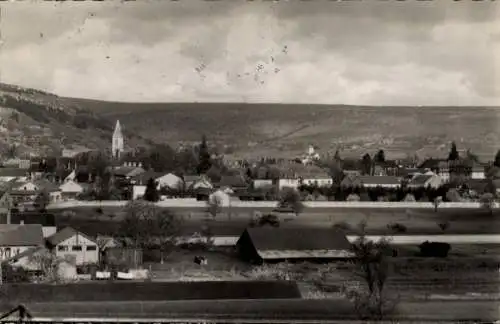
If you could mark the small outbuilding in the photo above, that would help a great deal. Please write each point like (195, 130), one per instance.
(271, 245)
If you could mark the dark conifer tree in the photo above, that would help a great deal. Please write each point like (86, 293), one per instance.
(453, 156)
(204, 161)
(380, 157)
(151, 193)
(366, 163)
(497, 159)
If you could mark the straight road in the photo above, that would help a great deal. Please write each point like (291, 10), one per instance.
(432, 311)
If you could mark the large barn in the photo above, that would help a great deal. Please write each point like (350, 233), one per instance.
(270, 245)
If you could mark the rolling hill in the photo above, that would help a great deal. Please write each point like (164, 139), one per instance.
(287, 129)
(258, 129)
(36, 122)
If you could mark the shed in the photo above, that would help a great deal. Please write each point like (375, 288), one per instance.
(270, 245)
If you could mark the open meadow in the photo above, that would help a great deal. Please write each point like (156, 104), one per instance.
(232, 221)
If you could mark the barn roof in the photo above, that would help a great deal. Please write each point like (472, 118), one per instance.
(21, 235)
(286, 243)
(65, 234)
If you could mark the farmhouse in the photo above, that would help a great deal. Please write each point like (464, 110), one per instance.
(268, 245)
(70, 242)
(15, 239)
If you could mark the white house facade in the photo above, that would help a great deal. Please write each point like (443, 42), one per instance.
(69, 243)
(288, 183)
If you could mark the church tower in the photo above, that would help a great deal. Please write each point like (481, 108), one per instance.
(117, 143)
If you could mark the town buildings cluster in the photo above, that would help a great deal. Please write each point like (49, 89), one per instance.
(29, 186)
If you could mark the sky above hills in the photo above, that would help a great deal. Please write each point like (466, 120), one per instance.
(326, 52)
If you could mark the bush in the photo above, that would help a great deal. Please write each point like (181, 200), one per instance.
(397, 228)
(269, 219)
(68, 214)
(434, 249)
(453, 196)
(12, 274)
(99, 210)
(444, 226)
(353, 197)
(344, 226)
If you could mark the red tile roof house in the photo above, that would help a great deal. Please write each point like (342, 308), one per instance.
(16, 239)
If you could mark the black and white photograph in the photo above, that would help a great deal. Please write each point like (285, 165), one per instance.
(260, 161)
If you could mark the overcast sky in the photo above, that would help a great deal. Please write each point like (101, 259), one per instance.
(357, 52)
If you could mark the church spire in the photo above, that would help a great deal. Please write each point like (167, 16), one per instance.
(118, 130)
(117, 144)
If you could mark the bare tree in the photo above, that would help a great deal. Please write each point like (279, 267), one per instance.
(437, 201)
(49, 264)
(290, 198)
(372, 266)
(147, 225)
(214, 205)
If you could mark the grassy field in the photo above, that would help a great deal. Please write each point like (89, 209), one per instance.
(232, 222)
